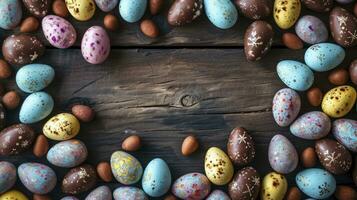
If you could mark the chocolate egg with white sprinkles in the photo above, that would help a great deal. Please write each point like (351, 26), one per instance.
(240, 147)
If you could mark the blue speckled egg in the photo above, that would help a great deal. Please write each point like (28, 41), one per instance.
(129, 193)
(345, 131)
(101, 192)
(311, 29)
(157, 178)
(34, 77)
(286, 106)
(222, 13)
(36, 107)
(7, 176)
(132, 10)
(311, 126)
(324, 56)
(125, 167)
(295, 75)
(68, 153)
(193, 186)
(38, 178)
(218, 195)
(11, 13)
(106, 5)
(316, 183)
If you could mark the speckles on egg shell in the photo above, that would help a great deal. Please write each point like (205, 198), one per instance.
(218, 166)
(286, 12)
(311, 29)
(295, 75)
(38, 8)
(184, 12)
(100, 193)
(8, 176)
(36, 107)
(222, 13)
(34, 77)
(125, 167)
(106, 5)
(95, 45)
(132, 11)
(16, 139)
(345, 131)
(79, 179)
(245, 185)
(129, 193)
(343, 26)
(63, 126)
(11, 13)
(339, 101)
(156, 179)
(81, 10)
(193, 186)
(286, 106)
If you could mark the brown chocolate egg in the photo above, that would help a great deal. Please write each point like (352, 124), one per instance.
(343, 26)
(314, 96)
(245, 184)
(258, 39)
(184, 12)
(255, 9)
(79, 179)
(240, 147)
(38, 8)
(338, 76)
(22, 49)
(318, 5)
(155, 6)
(16, 139)
(344, 192)
(333, 156)
(353, 71)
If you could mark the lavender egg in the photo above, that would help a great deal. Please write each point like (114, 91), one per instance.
(311, 29)
(345, 131)
(7, 176)
(106, 5)
(95, 45)
(218, 195)
(193, 186)
(101, 192)
(58, 31)
(129, 193)
(286, 106)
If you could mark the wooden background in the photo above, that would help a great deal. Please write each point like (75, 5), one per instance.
(191, 80)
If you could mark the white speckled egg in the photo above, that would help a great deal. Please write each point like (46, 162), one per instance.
(129, 193)
(295, 75)
(132, 11)
(156, 178)
(345, 131)
(95, 45)
(222, 13)
(36, 107)
(193, 186)
(311, 29)
(34, 77)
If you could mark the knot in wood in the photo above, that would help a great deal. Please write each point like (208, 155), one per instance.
(188, 100)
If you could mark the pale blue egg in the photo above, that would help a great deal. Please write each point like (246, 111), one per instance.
(316, 183)
(222, 13)
(345, 131)
(7, 176)
(295, 75)
(132, 10)
(129, 193)
(36, 107)
(324, 56)
(11, 13)
(218, 195)
(157, 178)
(34, 77)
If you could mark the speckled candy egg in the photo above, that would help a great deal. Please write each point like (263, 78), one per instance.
(311, 29)
(245, 184)
(16, 139)
(101, 192)
(156, 178)
(63, 126)
(324, 56)
(318, 5)
(282, 154)
(34, 77)
(7, 176)
(106, 5)
(125, 167)
(345, 131)
(194, 186)
(343, 26)
(79, 179)
(286, 13)
(36, 107)
(129, 193)
(218, 166)
(11, 13)
(13, 195)
(218, 195)
(38, 8)
(81, 10)
(58, 31)
(95, 45)
(295, 75)
(255, 9)
(286, 106)
(274, 187)
(311, 126)
(68, 153)
(222, 13)
(240, 147)
(132, 11)
(184, 11)
(316, 183)
(38, 178)
(339, 101)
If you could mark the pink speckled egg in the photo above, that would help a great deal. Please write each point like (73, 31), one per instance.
(193, 186)
(286, 106)
(95, 45)
(58, 31)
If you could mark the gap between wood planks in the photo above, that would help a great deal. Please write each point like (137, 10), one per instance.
(174, 47)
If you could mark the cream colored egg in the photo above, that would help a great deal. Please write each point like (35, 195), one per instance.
(63, 126)
(274, 187)
(81, 10)
(339, 101)
(13, 194)
(218, 167)
(286, 12)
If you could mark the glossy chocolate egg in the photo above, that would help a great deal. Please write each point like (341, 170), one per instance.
(95, 46)
(194, 186)
(311, 29)
(353, 72)
(8, 176)
(311, 126)
(34, 77)
(295, 75)
(240, 147)
(106, 5)
(318, 5)
(101, 192)
(81, 10)
(79, 179)
(184, 12)
(339, 101)
(22, 49)
(218, 167)
(38, 8)
(245, 184)
(343, 26)
(156, 179)
(286, 13)
(218, 195)
(36, 107)
(345, 131)
(63, 126)
(125, 167)
(258, 39)
(16, 139)
(286, 106)
(11, 13)
(222, 13)
(274, 186)
(255, 9)
(333, 156)
(129, 193)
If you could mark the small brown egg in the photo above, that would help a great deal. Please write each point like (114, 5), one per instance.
(338, 76)
(314, 96)
(83, 113)
(155, 6)
(149, 28)
(293, 194)
(40, 197)
(104, 171)
(30, 24)
(59, 8)
(344, 192)
(131, 143)
(353, 71)
(40, 147)
(308, 157)
(111, 22)
(5, 69)
(189, 145)
(292, 41)
(11, 100)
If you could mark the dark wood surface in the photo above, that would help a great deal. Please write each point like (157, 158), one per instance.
(191, 80)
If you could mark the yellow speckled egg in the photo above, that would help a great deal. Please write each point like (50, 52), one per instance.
(125, 167)
(13, 195)
(218, 167)
(274, 187)
(286, 12)
(81, 10)
(63, 126)
(339, 101)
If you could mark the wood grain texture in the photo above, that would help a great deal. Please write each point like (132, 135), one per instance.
(167, 94)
